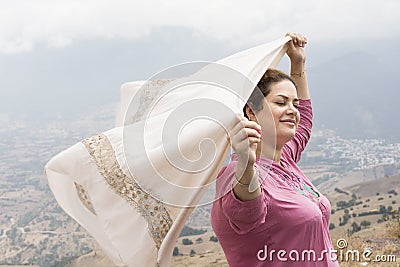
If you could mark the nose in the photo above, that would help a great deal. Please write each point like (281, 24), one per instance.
(291, 109)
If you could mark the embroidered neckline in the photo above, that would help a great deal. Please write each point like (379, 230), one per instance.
(294, 182)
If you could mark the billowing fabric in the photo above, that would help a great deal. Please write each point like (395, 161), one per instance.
(133, 187)
(289, 215)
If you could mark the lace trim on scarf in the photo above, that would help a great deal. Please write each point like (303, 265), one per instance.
(84, 197)
(146, 94)
(153, 211)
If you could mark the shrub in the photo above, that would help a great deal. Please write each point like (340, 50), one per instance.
(365, 224)
(382, 209)
(187, 231)
(213, 239)
(355, 227)
(175, 252)
(192, 253)
(187, 241)
(340, 191)
(366, 213)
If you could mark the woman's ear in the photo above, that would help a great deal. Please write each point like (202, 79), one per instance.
(250, 114)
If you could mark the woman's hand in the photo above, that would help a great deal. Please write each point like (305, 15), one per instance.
(244, 138)
(295, 49)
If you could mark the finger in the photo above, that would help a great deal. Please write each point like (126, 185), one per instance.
(288, 34)
(245, 146)
(242, 136)
(235, 120)
(236, 124)
(303, 40)
(299, 40)
(253, 132)
(242, 123)
(249, 134)
(293, 37)
(246, 135)
(240, 126)
(253, 125)
(252, 129)
(254, 140)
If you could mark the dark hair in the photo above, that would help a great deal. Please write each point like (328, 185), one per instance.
(271, 76)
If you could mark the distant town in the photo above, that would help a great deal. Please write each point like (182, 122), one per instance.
(326, 146)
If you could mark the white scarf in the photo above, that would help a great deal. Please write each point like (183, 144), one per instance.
(133, 187)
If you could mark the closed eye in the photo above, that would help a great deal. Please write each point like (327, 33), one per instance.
(296, 105)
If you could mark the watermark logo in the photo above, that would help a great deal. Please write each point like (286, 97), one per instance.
(366, 255)
(342, 254)
(175, 130)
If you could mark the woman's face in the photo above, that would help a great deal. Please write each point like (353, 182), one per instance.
(280, 104)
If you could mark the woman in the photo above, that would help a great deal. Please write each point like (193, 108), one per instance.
(278, 218)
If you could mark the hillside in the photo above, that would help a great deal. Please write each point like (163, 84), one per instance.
(382, 240)
(382, 235)
(369, 203)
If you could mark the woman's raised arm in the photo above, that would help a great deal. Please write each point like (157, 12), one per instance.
(297, 55)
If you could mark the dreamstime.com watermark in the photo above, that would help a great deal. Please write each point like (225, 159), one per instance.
(341, 254)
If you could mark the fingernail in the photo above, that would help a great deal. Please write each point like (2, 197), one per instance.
(259, 132)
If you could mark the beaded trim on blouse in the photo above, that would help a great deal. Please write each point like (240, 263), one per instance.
(152, 210)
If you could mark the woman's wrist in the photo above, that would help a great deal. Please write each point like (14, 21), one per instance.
(245, 165)
(245, 172)
(245, 184)
(297, 69)
(298, 62)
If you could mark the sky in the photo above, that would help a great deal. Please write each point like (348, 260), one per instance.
(58, 57)
(27, 24)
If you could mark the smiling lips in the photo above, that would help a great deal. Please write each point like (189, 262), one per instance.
(290, 122)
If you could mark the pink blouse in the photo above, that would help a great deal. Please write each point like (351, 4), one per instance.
(288, 224)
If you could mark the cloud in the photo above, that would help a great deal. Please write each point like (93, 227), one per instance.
(26, 23)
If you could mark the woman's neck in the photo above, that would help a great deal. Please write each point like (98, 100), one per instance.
(269, 152)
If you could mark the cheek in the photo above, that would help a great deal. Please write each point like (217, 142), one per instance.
(297, 119)
(277, 114)
(266, 118)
